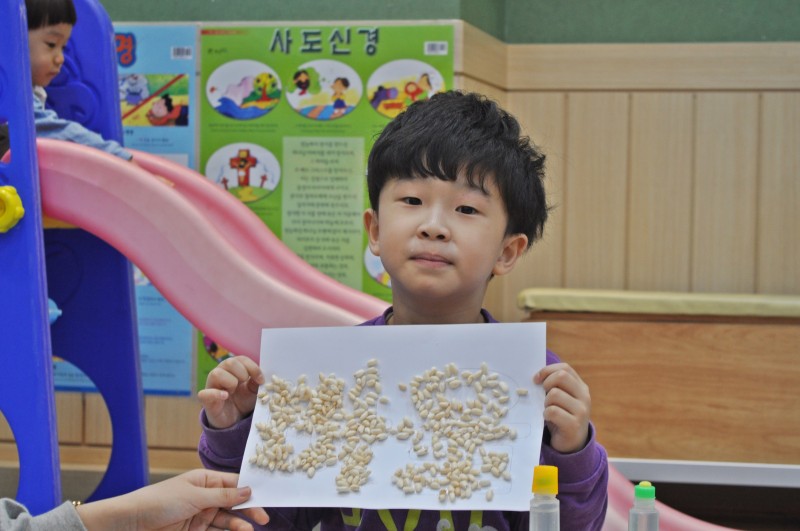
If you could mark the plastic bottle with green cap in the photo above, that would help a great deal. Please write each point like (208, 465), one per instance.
(644, 514)
(544, 504)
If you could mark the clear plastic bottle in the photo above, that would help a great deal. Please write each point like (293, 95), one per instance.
(644, 514)
(544, 504)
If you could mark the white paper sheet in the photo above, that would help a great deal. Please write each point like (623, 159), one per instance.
(514, 351)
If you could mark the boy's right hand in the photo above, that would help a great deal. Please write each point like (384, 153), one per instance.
(231, 391)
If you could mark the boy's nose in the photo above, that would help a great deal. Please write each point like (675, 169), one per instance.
(433, 228)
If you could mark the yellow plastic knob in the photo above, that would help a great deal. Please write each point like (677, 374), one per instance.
(11, 210)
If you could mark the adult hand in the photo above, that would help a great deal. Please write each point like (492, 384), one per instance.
(194, 501)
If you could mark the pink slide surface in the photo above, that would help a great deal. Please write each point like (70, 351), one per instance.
(248, 234)
(177, 246)
(219, 265)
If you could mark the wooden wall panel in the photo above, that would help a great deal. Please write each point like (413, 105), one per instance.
(718, 122)
(171, 422)
(778, 244)
(673, 66)
(480, 56)
(726, 182)
(69, 408)
(98, 422)
(69, 412)
(596, 189)
(659, 204)
(687, 390)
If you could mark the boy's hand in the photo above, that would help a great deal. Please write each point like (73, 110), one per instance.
(231, 391)
(567, 405)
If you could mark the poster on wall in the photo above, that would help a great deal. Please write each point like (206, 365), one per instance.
(156, 65)
(288, 115)
(157, 75)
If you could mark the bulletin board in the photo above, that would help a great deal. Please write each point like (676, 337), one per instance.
(288, 114)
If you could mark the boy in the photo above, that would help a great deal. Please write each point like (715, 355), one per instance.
(50, 25)
(457, 197)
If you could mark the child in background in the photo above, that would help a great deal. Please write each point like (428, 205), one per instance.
(50, 25)
(457, 197)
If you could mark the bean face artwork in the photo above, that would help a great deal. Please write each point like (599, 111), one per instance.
(418, 416)
(458, 411)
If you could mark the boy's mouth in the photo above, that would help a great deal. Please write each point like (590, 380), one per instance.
(430, 259)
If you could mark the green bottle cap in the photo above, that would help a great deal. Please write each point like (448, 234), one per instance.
(645, 491)
(545, 480)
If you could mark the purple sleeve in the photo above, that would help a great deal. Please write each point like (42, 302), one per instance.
(582, 480)
(582, 484)
(223, 449)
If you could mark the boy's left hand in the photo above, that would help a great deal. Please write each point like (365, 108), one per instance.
(567, 405)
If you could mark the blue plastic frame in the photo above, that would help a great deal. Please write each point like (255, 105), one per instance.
(90, 281)
(27, 377)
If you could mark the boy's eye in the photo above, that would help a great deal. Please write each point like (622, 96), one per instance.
(412, 201)
(464, 209)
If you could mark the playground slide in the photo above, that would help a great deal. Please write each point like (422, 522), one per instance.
(176, 245)
(220, 268)
(255, 241)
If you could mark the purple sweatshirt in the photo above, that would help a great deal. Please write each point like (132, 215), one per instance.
(582, 485)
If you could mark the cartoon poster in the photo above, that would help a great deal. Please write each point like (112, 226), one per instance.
(288, 115)
(157, 67)
(157, 75)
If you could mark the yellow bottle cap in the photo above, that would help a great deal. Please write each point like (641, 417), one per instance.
(545, 480)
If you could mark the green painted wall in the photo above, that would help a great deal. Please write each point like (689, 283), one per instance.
(279, 10)
(513, 21)
(581, 21)
(488, 15)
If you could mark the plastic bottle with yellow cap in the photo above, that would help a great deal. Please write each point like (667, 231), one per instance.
(643, 515)
(544, 504)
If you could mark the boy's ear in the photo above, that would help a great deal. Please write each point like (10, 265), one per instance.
(371, 225)
(514, 246)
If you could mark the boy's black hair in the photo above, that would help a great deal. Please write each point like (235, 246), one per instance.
(43, 13)
(455, 132)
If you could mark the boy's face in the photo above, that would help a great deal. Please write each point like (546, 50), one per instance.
(159, 108)
(440, 241)
(47, 51)
(338, 87)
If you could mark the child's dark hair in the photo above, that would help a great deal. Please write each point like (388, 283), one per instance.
(168, 102)
(43, 13)
(455, 132)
